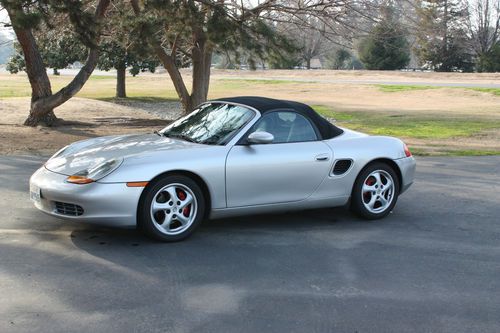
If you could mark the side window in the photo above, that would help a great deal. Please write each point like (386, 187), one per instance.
(286, 126)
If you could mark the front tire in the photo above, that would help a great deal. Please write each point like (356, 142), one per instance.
(375, 191)
(171, 208)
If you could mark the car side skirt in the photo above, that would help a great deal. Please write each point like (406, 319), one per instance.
(281, 207)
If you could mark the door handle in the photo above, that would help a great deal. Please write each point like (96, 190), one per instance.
(322, 157)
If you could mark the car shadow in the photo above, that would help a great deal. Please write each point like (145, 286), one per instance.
(247, 229)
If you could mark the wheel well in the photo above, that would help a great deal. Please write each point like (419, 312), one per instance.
(201, 183)
(390, 163)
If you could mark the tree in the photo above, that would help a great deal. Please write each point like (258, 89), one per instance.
(309, 38)
(441, 39)
(58, 49)
(121, 49)
(197, 28)
(386, 47)
(25, 17)
(339, 59)
(490, 61)
(16, 62)
(285, 59)
(6, 46)
(483, 26)
(120, 57)
(319, 36)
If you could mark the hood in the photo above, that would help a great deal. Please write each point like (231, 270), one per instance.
(85, 154)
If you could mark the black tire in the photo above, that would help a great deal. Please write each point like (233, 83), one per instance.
(359, 199)
(151, 223)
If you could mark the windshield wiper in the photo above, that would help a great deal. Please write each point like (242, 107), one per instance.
(180, 136)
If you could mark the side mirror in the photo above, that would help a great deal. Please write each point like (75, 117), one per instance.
(260, 137)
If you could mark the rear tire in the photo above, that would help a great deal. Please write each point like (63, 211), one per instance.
(171, 208)
(375, 191)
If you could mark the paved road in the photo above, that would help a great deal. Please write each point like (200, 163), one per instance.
(431, 266)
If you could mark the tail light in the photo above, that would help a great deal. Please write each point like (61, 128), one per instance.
(407, 151)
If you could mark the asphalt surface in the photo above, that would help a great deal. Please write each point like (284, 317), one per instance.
(433, 265)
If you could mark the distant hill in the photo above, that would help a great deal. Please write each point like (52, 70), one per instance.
(6, 46)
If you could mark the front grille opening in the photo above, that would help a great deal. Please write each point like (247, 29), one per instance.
(341, 167)
(69, 209)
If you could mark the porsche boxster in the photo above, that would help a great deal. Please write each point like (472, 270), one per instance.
(232, 156)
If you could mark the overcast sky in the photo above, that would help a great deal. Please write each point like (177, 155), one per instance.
(3, 15)
(4, 18)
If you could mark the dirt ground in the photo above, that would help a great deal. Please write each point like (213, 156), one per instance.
(330, 75)
(81, 118)
(351, 97)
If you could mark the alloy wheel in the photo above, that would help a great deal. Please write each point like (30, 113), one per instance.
(173, 209)
(377, 192)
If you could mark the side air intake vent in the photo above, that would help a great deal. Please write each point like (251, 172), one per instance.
(341, 167)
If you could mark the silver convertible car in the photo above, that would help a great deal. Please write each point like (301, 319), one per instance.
(233, 156)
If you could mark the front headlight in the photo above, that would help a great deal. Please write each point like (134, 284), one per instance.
(94, 173)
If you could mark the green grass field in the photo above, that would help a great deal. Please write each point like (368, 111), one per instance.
(409, 126)
(401, 88)
(494, 91)
(415, 127)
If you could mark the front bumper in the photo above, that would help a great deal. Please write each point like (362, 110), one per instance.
(112, 204)
(407, 167)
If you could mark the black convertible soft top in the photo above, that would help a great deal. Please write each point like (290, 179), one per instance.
(264, 105)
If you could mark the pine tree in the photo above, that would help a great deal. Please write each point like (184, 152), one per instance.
(490, 60)
(386, 47)
(441, 40)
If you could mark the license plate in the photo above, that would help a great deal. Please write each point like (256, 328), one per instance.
(35, 193)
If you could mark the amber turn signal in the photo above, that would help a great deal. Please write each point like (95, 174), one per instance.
(137, 184)
(79, 180)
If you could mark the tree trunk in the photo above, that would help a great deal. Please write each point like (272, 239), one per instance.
(120, 82)
(174, 73)
(43, 101)
(201, 55)
(40, 116)
(39, 80)
(308, 63)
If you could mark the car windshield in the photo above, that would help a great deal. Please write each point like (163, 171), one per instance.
(212, 123)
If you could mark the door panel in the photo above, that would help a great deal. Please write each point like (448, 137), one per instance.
(274, 173)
